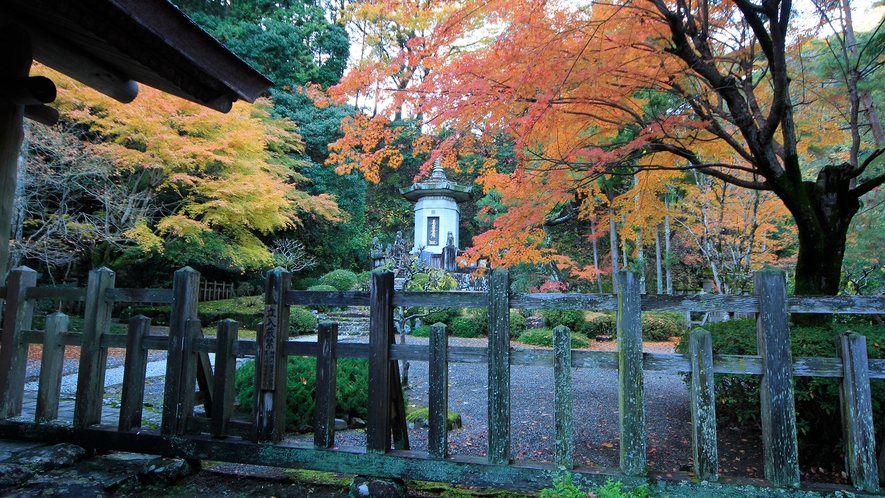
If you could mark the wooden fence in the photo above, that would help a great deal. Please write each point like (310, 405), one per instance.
(216, 436)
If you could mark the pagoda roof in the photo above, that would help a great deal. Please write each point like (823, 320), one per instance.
(437, 184)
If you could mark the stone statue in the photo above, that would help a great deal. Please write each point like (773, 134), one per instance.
(377, 250)
(450, 240)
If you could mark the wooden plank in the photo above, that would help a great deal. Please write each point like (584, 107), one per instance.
(56, 293)
(51, 363)
(778, 409)
(380, 330)
(326, 385)
(438, 393)
(836, 304)
(631, 394)
(305, 298)
(449, 299)
(224, 389)
(700, 302)
(140, 295)
(856, 399)
(535, 301)
(398, 425)
(563, 451)
(134, 374)
(270, 363)
(13, 353)
(499, 367)
(179, 386)
(205, 378)
(93, 357)
(705, 452)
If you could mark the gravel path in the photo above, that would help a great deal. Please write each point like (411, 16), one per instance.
(595, 407)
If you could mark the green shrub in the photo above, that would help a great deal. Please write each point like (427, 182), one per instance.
(342, 280)
(465, 327)
(422, 331)
(159, 315)
(363, 280)
(599, 324)
(453, 419)
(565, 487)
(442, 316)
(308, 282)
(662, 325)
(480, 317)
(351, 389)
(302, 321)
(572, 319)
(817, 398)
(544, 337)
(517, 323)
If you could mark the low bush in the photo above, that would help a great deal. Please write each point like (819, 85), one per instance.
(573, 319)
(465, 327)
(662, 325)
(544, 337)
(442, 316)
(599, 324)
(817, 398)
(517, 323)
(480, 317)
(302, 321)
(342, 280)
(351, 389)
(422, 331)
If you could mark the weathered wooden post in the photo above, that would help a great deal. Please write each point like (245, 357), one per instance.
(51, 363)
(14, 354)
(224, 392)
(327, 382)
(857, 412)
(134, 374)
(179, 387)
(563, 453)
(93, 357)
(778, 409)
(270, 363)
(438, 393)
(705, 452)
(631, 394)
(380, 331)
(499, 367)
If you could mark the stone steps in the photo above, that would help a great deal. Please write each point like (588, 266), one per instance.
(352, 321)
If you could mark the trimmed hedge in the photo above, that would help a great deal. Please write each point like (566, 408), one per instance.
(544, 337)
(351, 389)
(302, 321)
(342, 280)
(817, 399)
(656, 325)
(466, 327)
(573, 319)
(599, 324)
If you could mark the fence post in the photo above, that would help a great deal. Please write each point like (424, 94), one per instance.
(438, 393)
(93, 357)
(185, 296)
(857, 413)
(778, 409)
(51, 363)
(631, 394)
(14, 354)
(380, 331)
(225, 377)
(705, 453)
(327, 377)
(499, 367)
(563, 456)
(134, 372)
(270, 363)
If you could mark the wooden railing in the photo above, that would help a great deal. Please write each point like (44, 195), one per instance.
(216, 435)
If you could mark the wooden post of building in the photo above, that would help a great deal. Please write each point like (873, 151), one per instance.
(499, 367)
(380, 331)
(705, 452)
(177, 404)
(270, 363)
(51, 363)
(13, 353)
(225, 377)
(438, 393)
(857, 413)
(778, 409)
(134, 374)
(93, 357)
(631, 395)
(327, 382)
(563, 453)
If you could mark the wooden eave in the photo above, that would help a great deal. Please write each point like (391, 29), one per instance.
(111, 44)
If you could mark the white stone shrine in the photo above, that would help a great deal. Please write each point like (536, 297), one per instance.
(437, 214)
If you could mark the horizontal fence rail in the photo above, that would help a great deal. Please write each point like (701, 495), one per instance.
(214, 434)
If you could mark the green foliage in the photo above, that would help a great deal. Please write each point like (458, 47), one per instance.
(453, 419)
(443, 316)
(662, 325)
(342, 280)
(422, 331)
(544, 337)
(600, 324)
(466, 327)
(323, 288)
(480, 317)
(517, 323)
(572, 319)
(351, 389)
(301, 321)
(817, 399)
(565, 487)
